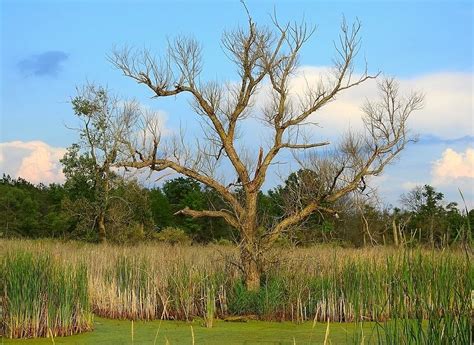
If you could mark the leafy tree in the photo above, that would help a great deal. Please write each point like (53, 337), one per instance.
(439, 223)
(426, 205)
(88, 164)
(185, 193)
(455, 222)
(160, 209)
(31, 211)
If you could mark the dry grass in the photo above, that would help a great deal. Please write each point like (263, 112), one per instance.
(158, 281)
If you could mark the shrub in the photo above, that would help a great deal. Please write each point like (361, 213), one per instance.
(173, 236)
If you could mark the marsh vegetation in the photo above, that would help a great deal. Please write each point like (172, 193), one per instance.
(409, 296)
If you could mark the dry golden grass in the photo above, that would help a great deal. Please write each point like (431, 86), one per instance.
(159, 281)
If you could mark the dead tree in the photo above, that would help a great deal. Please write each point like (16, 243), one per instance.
(266, 58)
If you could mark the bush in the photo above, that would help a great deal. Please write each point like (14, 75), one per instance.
(173, 236)
(127, 233)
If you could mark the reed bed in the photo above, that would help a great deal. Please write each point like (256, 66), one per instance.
(396, 288)
(42, 297)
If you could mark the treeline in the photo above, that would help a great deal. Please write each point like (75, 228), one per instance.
(136, 213)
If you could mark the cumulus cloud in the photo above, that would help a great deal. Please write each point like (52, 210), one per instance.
(45, 64)
(454, 168)
(446, 114)
(35, 161)
(448, 104)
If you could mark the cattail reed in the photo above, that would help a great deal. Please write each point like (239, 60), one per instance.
(43, 297)
(399, 289)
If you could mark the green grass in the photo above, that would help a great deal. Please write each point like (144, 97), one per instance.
(42, 296)
(118, 332)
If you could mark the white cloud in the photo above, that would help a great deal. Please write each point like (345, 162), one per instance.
(344, 112)
(35, 161)
(448, 104)
(454, 168)
(447, 112)
(38, 162)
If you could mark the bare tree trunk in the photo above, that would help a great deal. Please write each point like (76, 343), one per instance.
(367, 230)
(263, 56)
(252, 269)
(249, 251)
(101, 226)
(395, 233)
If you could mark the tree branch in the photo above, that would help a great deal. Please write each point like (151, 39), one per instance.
(229, 218)
(303, 146)
(294, 219)
(162, 164)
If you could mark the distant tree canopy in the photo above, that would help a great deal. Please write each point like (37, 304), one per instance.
(33, 211)
(434, 220)
(137, 213)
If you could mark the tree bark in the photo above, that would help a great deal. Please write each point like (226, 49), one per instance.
(395, 233)
(249, 250)
(101, 226)
(252, 270)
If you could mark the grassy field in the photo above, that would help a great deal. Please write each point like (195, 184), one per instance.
(113, 332)
(415, 296)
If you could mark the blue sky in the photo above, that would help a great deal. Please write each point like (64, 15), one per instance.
(50, 47)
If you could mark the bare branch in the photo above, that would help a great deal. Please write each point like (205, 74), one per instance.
(229, 218)
(303, 146)
(263, 54)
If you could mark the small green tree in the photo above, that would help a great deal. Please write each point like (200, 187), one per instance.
(438, 222)
(104, 122)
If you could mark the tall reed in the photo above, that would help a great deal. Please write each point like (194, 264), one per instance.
(43, 297)
(399, 289)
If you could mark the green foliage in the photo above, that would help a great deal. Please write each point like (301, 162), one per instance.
(185, 192)
(135, 213)
(299, 189)
(92, 189)
(437, 311)
(160, 208)
(244, 302)
(78, 169)
(266, 303)
(438, 223)
(173, 235)
(31, 211)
